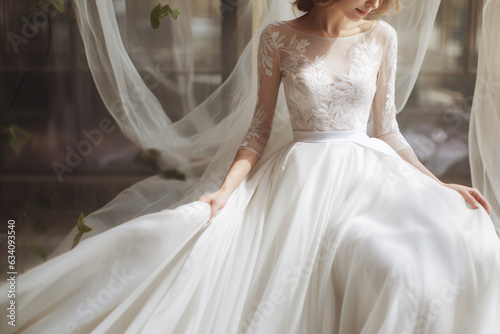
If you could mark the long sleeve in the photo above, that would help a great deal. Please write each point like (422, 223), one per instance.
(269, 79)
(384, 109)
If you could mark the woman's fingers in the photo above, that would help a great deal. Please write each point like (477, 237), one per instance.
(467, 195)
(479, 198)
(209, 202)
(216, 201)
(470, 199)
(474, 198)
(214, 211)
(214, 208)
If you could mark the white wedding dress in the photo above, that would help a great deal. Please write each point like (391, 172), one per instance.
(333, 234)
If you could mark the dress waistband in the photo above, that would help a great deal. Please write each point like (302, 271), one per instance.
(326, 136)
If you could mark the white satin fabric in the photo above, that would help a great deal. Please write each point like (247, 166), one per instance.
(332, 234)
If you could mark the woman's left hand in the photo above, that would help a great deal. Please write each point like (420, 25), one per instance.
(471, 196)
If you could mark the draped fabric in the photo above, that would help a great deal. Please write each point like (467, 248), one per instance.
(484, 131)
(302, 246)
(200, 142)
(335, 233)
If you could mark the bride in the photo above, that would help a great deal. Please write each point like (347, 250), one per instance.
(336, 232)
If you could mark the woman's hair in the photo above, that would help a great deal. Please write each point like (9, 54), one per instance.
(384, 6)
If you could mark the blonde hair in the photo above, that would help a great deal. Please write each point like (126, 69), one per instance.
(383, 8)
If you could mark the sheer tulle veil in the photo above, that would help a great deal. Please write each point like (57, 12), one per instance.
(199, 140)
(484, 130)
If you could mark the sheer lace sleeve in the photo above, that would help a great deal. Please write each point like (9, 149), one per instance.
(269, 79)
(384, 109)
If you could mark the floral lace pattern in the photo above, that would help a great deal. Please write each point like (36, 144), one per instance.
(330, 84)
(256, 129)
(270, 44)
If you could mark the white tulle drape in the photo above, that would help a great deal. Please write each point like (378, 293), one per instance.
(484, 131)
(201, 142)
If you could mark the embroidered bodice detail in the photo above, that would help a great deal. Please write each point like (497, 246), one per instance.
(330, 84)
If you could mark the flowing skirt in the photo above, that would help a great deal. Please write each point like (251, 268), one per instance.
(333, 234)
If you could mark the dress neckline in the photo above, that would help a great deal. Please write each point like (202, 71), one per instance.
(333, 38)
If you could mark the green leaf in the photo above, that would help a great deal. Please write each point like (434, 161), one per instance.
(23, 133)
(163, 11)
(81, 225)
(76, 239)
(58, 5)
(82, 228)
(160, 12)
(149, 158)
(155, 153)
(173, 174)
(10, 137)
(174, 13)
(13, 142)
(38, 249)
(153, 18)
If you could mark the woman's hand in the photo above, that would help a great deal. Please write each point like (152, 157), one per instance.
(242, 164)
(217, 200)
(471, 196)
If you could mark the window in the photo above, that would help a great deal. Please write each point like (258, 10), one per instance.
(436, 118)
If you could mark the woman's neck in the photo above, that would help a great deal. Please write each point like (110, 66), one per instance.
(329, 21)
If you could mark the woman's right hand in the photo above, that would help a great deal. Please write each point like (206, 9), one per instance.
(242, 164)
(217, 200)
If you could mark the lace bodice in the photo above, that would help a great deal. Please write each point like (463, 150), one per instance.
(330, 84)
